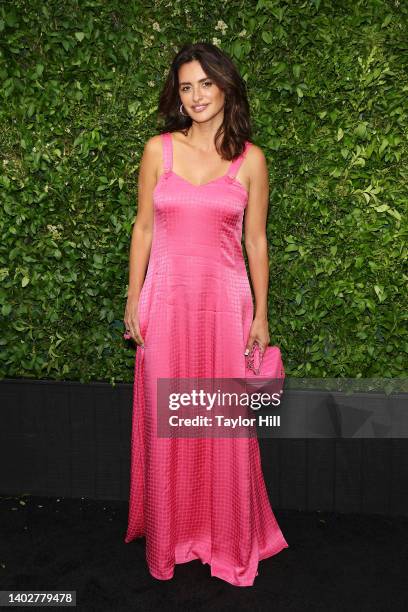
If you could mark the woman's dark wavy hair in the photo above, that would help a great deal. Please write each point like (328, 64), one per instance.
(235, 128)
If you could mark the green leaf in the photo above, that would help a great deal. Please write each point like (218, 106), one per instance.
(291, 247)
(387, 20)
(296, 70)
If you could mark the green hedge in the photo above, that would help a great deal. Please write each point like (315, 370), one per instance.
(328, 84)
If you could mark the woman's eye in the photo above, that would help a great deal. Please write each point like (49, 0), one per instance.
(206, 83)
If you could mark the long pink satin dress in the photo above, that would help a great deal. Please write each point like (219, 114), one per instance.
(196, 498)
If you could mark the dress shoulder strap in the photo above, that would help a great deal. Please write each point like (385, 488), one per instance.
(236, 164)
(167, 152)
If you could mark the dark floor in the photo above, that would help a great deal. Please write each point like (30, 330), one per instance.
(334, 562)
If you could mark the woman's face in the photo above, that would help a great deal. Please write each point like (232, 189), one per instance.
(201, 97)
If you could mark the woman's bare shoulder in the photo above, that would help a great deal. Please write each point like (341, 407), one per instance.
(255, 152)
(153, 144)
(256, 158)
(152, 158)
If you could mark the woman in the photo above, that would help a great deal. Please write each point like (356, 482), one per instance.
(192, 316)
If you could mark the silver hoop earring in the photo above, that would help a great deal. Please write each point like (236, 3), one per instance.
(181, 112)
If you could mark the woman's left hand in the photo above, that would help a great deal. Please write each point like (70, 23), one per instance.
(259, 333)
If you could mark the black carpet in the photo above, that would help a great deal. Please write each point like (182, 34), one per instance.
(334, 561)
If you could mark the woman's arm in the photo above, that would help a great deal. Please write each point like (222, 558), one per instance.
(256, 244)
(142, 233)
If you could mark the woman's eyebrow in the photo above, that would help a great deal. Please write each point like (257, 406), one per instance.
(188, 82)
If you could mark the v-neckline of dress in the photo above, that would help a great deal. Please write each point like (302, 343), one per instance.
(201, 184)
(223, 176)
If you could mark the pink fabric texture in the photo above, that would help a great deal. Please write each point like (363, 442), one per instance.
(195, 498)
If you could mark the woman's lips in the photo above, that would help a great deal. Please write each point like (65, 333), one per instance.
(199, 109)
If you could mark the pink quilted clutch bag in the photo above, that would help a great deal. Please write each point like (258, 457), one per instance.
(265, 370)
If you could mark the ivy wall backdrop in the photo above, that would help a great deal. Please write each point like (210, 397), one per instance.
(328, 86)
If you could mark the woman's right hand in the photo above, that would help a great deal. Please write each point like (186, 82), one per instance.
(131, 320)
